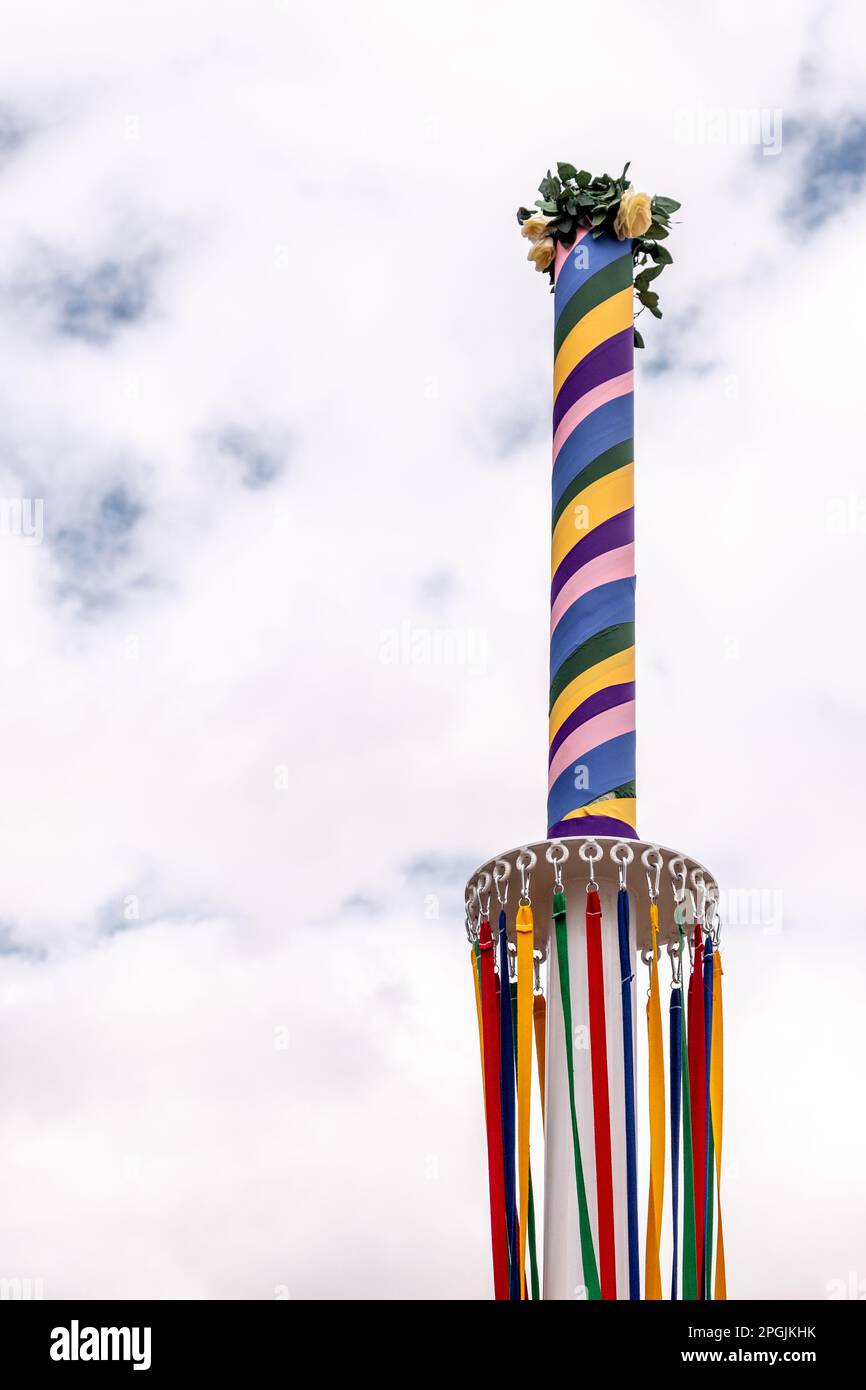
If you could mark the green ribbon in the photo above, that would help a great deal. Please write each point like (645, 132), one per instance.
(587, 1250)
(690, 1255)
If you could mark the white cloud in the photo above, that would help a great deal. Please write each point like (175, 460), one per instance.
(325, 205)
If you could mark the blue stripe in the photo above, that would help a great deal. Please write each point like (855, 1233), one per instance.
(603, 607)
(608, 766)
(611, 424)
(599, 252)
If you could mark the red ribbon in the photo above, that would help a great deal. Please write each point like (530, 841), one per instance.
(492, 1068)
(697, 1047)
(600, 1097)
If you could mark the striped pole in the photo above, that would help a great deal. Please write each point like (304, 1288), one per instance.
(591, 786)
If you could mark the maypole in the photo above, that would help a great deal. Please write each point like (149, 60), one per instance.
(573, 905)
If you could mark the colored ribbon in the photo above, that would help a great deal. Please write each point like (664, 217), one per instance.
(525, 982)
(626, 978)
(539, 1020)
(720, 1290)
(676, 1065)
(493, 1113)
(600, 1095)
(587, 1250)
(707, 1267)
(656, 1119)
(475, 962)
(506, 1040)
(690, 1268)
(698, 1094)
(533, 1258)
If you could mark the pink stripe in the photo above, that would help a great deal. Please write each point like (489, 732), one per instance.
(599, 395)
(563, 252)
(614, 564)
(609, 724)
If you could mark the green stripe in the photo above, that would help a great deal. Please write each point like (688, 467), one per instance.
(608, 462)
(594, 291)
(626, 792)
(598, 648)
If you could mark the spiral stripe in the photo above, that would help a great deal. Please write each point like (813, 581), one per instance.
(592, 706)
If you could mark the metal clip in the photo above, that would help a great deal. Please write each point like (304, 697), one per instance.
(656, 866)
(526, 862)
(622, 855)
(590, 852)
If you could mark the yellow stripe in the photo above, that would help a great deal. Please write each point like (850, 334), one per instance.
(602, 322)
(600, 501)
(717, 1044)
(614, 670)
(525, 986)
(622, 808)
(653, 1289)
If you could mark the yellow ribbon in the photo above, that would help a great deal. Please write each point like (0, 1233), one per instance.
(717, 1043)
(656, 1119)
(473, 961)
(525, 986)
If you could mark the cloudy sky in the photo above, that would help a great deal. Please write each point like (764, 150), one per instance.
(274, 412)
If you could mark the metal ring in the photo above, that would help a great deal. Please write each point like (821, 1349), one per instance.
(627, 855)
(656, 865)
(559, 858)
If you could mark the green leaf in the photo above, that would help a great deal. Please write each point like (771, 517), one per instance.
(638, 340)
(666, 205)
(660, 254)
(582, 178)
(656, 231)
(642, 281)
(566, 171)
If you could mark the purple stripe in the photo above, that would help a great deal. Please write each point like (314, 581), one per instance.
(611, 358)
(610, 535)
(608, 698)
(591, 825)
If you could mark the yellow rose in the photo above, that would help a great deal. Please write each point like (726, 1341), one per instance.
(535, 227)
(634, 216)
(542, 252)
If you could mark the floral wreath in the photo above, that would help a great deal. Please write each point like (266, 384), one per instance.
(572, 198)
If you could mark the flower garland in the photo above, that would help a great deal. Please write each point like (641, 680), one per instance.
(572, 198)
